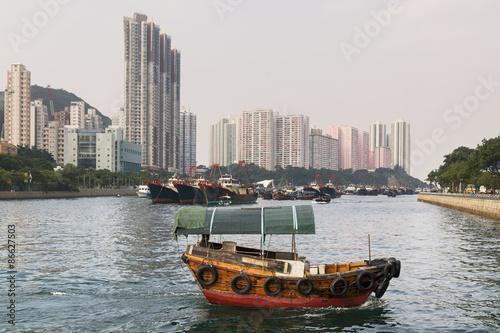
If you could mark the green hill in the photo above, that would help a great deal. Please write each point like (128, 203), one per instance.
(60, 97)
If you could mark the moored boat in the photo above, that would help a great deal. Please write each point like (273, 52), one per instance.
(332, 190)
(314, 188)
(163, 193)
(233, 187)
(143, 191)
(229, 274)
(191, 188)
(350, 190)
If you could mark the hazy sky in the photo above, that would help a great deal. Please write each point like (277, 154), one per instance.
(436, 64)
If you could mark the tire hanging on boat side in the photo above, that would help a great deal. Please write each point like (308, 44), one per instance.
(270, 280)
(362, 285)
(389, 271)
(234, 284)
(309, 286)
(339, 286)
(381, 288)
(201, 271)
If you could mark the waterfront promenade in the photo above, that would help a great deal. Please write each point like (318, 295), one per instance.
(82, 193)
(480, 204)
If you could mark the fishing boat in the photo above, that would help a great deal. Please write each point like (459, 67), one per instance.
(190, 189)
(163, 193)
(330, 189)
(350, 190)
(233, 187)
(314, 188)
(229, 274)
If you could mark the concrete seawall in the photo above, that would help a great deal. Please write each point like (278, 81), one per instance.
(16, 195)
(484, 205)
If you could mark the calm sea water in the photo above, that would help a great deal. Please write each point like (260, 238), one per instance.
(111, 264)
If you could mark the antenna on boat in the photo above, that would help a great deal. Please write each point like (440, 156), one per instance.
(369, 251)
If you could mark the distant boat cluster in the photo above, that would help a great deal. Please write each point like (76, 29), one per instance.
(197, 190)
(228, 190)
(324, 193)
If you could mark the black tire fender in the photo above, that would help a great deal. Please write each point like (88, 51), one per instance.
(363, 286)
(389, 270)
(201, 271)
(307, 290)
(234, 283)
(397, 270)
(339, 286)
(269, 280)
(381, 288)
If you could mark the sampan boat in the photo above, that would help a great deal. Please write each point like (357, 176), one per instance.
(233, 275)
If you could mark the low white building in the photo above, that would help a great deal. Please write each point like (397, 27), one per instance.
(101, 149)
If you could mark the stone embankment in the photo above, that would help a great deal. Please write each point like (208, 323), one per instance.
(480, 204)
(13, 195)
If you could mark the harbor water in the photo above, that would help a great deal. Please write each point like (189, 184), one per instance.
(111, 264)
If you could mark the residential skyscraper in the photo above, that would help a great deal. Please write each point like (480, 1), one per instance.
(324, 151)
(292, 140)
(222, 141)
(187, 141)
(39, 118)
(17, 102)
(363, 145)
(152, 93)
(77, 114)
(348, 145)
(378, 135)
(257, 138)
(399, 141)
(53, 141)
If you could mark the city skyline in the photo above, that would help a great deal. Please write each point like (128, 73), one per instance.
(321, 60)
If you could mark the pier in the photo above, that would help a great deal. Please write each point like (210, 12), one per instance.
(480, 204)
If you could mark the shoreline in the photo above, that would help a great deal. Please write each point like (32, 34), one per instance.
(82, 193)
(479, 204)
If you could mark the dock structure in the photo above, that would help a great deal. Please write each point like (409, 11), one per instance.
(480, 204)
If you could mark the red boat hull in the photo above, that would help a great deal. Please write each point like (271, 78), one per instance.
(256, 301)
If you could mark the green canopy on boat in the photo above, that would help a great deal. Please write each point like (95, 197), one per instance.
(285, 220)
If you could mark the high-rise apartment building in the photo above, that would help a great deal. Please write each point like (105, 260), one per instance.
(39, 118)
(53, 141)
(382, 158)
(77, 114)
(378, 135)
(187, 141)
(222, 141)
(152, 92)
(17, 102)
(292, 141)
(257, 138)
(399, 141)
(348, 145)
(363, 148)
(324, 151)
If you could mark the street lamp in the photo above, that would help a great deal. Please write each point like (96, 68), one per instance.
(461, 189)
(475, 185)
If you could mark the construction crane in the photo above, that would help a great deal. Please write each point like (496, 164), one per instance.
(51, 103)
